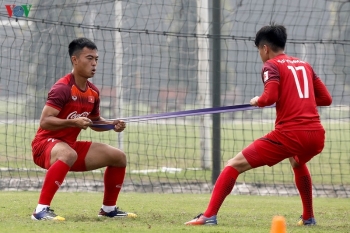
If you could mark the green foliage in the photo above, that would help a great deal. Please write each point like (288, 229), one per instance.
(168, 212)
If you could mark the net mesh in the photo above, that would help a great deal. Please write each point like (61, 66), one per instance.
(156, 56)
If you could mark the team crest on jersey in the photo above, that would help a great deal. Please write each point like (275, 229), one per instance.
(74, 97)
(266, 76)
(91, 99)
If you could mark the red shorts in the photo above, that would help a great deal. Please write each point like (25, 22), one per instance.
(42, 152)
(278, 145)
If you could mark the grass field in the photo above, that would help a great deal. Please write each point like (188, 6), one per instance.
(168, 212)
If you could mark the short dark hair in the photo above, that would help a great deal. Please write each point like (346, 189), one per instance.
(79, 44)
(274, 35)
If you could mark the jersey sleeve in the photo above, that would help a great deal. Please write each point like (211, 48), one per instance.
(270, 72)
(270, 78)
(95, 113)
(322, 95)
(58, 96)
(96, 110)
(270, 94)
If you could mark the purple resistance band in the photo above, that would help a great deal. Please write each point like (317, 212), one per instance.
(107, 124)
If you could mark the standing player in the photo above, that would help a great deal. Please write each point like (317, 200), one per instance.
(72, 104)
(298, 135)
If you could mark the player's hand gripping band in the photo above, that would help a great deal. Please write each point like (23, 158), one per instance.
(108, 123)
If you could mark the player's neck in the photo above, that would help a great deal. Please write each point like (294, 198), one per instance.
(79, 81)
(275, 54)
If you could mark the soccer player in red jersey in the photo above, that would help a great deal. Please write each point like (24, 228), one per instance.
(298, 135)
(72, 104)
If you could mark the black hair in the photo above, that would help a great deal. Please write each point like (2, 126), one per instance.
(273, 35)
(79, 44)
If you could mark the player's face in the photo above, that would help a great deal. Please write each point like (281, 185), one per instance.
(85, 62)
(263, 51)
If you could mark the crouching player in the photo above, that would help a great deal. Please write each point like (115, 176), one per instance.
(72, 105)
(292, 84)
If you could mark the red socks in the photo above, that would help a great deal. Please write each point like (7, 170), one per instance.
(227, 179)
(223, 187)
(54, 178)
(113, 180)
(304, 184)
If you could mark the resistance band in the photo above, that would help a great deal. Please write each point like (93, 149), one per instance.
(108, 123)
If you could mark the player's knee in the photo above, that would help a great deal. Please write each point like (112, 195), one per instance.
(293, 163)
(123, 159)
(119, 159)
(234, 163)
(69, 157)
(239, 163)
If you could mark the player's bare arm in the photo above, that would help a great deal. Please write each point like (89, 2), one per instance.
(50, 121)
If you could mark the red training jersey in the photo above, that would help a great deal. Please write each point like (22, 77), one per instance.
(297, 91)
(72, 102)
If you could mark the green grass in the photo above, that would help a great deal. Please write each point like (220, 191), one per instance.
(168, 212)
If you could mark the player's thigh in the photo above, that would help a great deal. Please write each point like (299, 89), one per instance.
(307, 144)
(62, 151)
(102, 155)
(240, 163)
(267, 150)
(46, 152)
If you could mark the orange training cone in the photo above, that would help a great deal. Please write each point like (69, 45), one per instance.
(278, 225)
